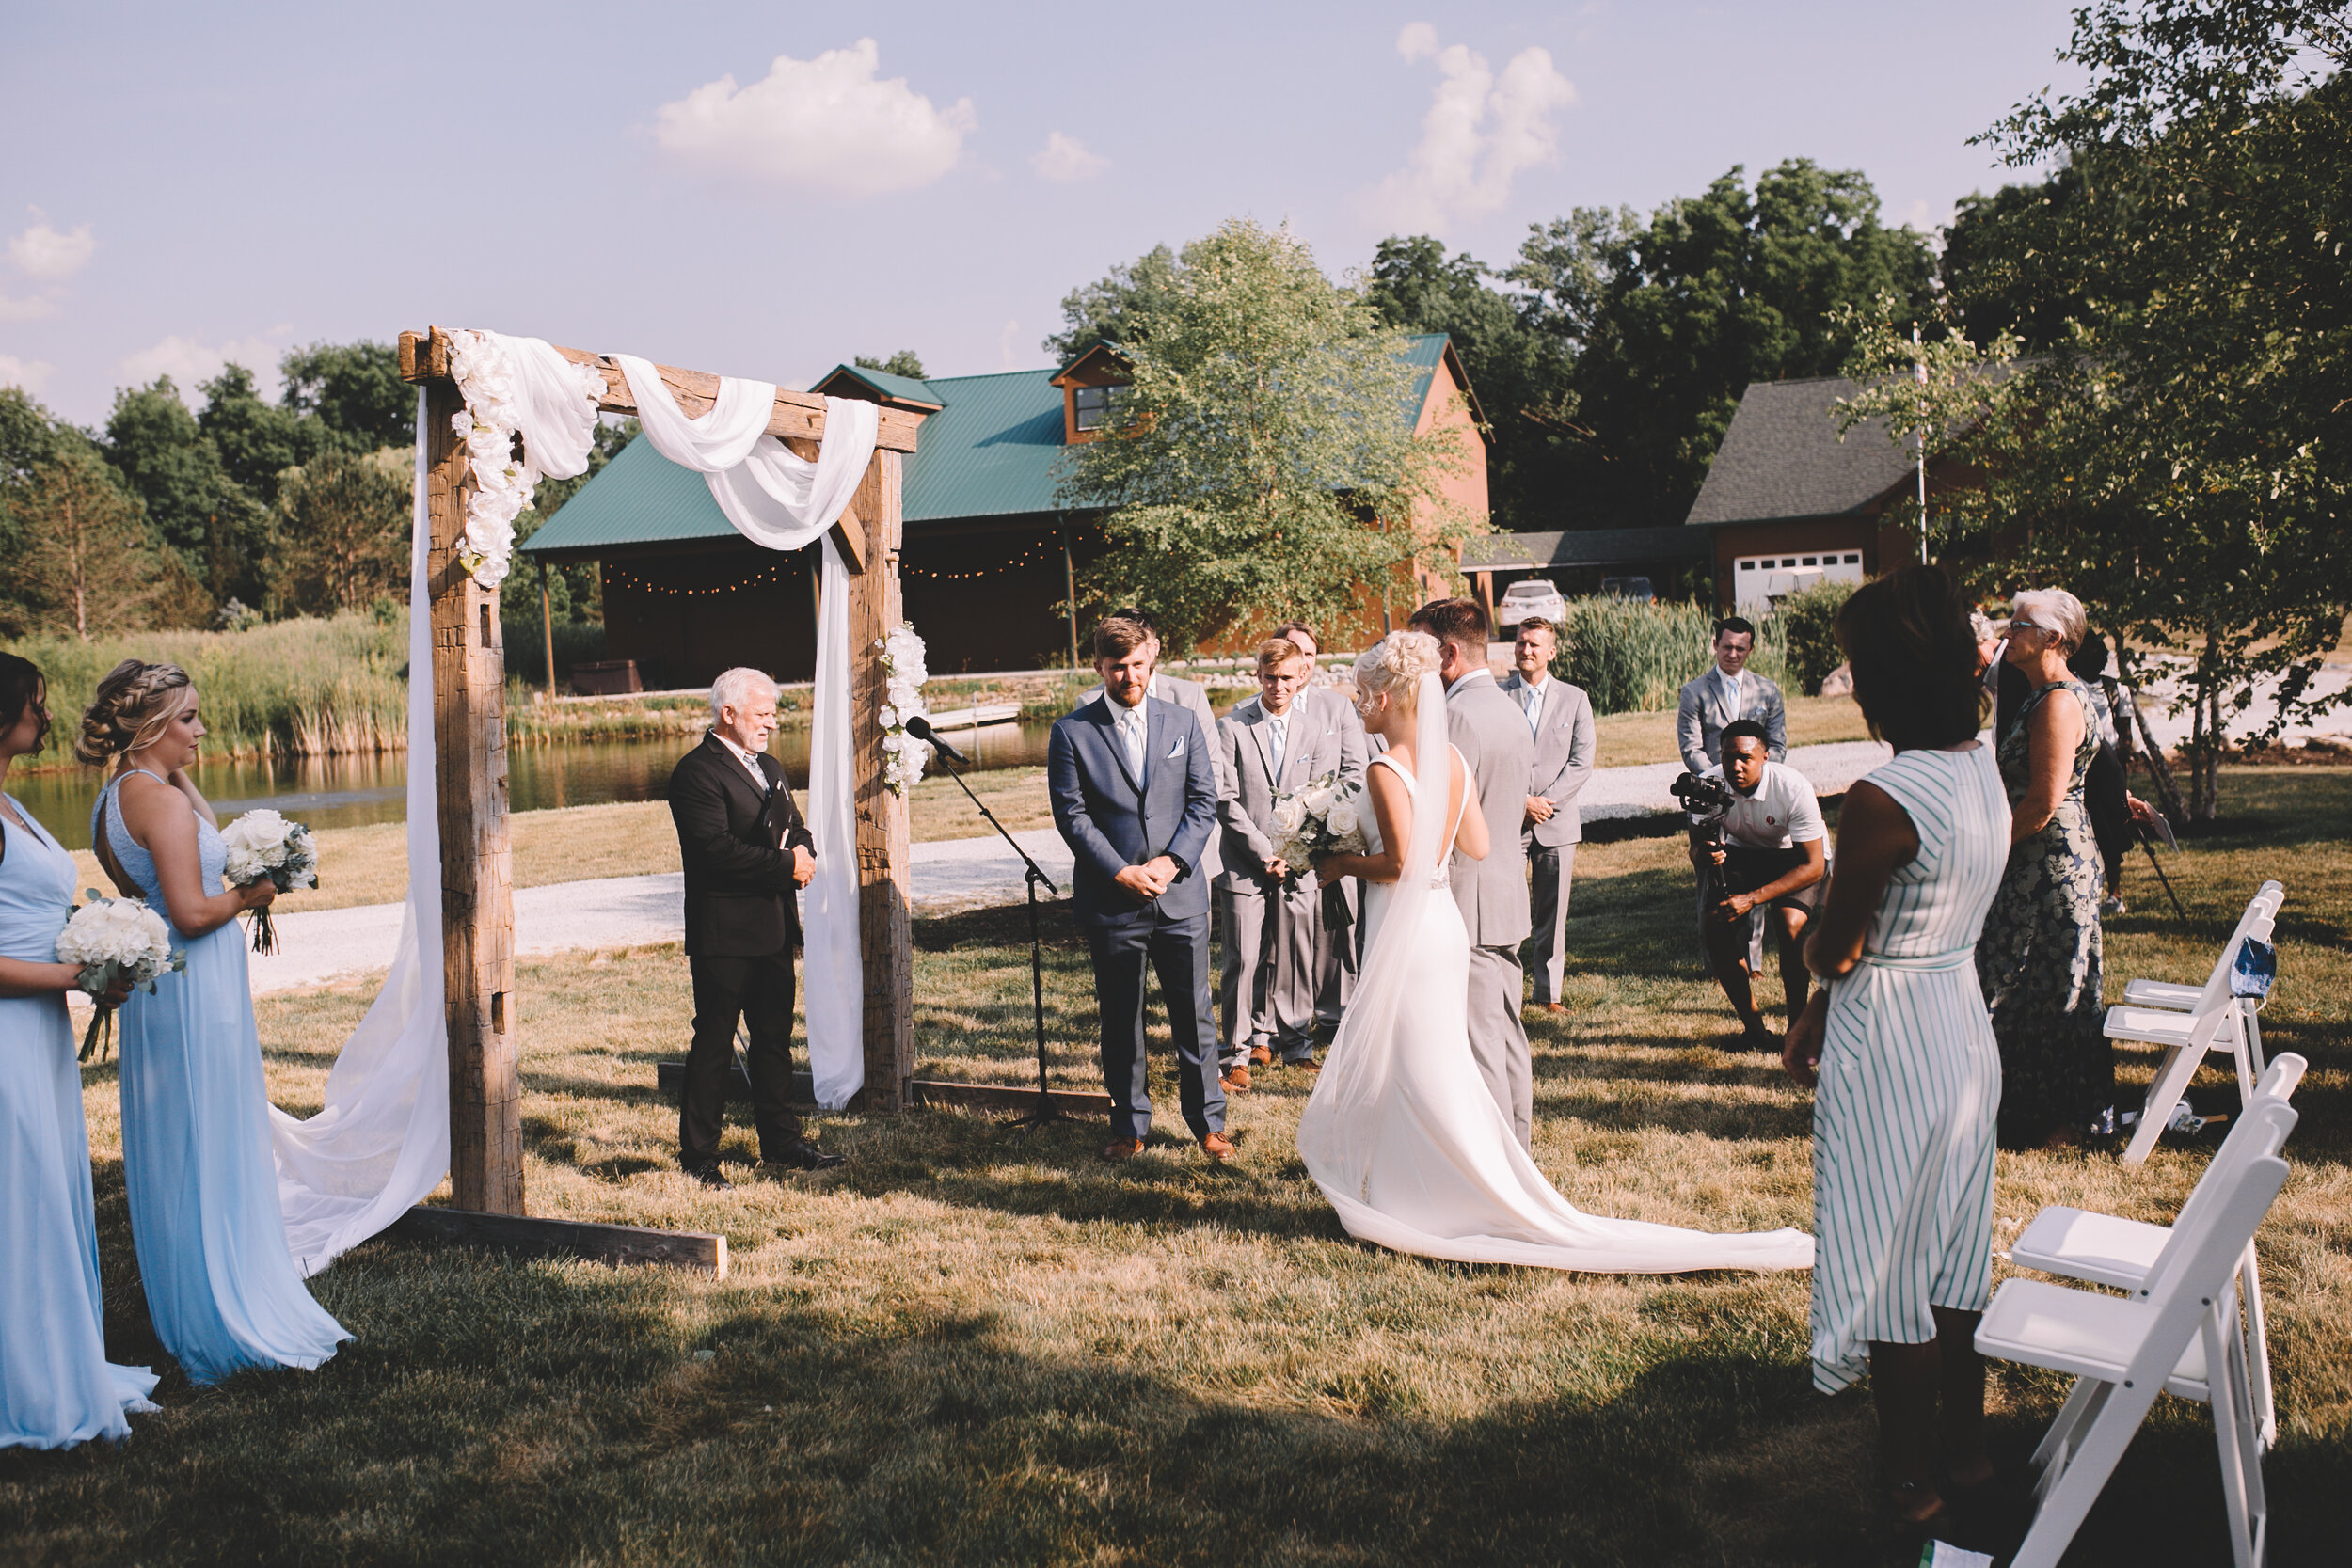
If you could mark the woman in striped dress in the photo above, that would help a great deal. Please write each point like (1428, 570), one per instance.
(1909, 1075)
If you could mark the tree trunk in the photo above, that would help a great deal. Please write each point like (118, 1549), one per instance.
(2206, 735)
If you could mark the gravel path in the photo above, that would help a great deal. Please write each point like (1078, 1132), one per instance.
(947, 876)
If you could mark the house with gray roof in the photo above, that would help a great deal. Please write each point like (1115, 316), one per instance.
(989, 553)
(1789, 501)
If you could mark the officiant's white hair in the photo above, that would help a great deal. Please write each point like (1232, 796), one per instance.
(735, 685)
(1396, 664)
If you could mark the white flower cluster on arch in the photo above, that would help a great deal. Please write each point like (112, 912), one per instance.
(503, 397)
(902, 664)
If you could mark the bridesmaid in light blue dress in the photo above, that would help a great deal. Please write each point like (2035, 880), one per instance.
(56, 1388)
(221, 1288)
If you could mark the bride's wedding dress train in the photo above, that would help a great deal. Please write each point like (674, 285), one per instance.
(1401, 1133)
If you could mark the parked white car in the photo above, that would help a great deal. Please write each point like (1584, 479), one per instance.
(1534, 597)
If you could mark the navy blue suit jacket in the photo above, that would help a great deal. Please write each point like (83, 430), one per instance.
(1111, 820)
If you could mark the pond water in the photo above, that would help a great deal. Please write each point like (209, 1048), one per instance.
(344, 792)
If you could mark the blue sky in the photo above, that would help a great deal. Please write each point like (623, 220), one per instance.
(185, 184)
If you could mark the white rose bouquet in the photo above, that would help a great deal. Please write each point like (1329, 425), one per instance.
(115, 940)
(1323, 817)
(264, 846)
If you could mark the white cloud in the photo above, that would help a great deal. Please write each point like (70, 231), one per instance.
(190, 363)
(1064, 159)
(825, 126)
(42, 252)
(31, 308)
(31, 375)
(1482, 131)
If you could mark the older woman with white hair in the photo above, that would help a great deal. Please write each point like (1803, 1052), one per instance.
(2039, 959)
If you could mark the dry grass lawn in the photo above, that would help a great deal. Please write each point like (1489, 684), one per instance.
(974, 1347)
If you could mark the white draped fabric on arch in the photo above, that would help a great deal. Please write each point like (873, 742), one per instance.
(380, 1143)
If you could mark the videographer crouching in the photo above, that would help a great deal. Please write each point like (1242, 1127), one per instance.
(1758, 845)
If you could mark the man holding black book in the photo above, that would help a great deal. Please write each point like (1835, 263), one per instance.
(745, 851)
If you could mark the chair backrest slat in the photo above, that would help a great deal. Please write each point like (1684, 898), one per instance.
(2208, 1254)
(2261, 1132)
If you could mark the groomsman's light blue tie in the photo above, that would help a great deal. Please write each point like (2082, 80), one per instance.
(1277, 731)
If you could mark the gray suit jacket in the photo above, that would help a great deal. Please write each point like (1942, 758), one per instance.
(1699, 727)
(1490, 731)
(1354, 747)
(1192, 695)
(1312, 747)
(1565, 744)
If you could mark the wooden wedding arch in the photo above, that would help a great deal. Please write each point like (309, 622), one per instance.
(469, 758)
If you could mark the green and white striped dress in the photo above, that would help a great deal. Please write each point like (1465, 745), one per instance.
(1911, 1083)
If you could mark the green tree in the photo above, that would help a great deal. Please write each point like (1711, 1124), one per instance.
(257, 440)
(1664, 323)
(353, 389)
(1519, 374)
(1112, 309)
(2180, 455)
(1262, 461)
(218, 534)
(345, 528)
(905, 362)
(85, 562)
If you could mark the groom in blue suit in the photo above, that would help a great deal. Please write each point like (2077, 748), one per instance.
(1135, 797)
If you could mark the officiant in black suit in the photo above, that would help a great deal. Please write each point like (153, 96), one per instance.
(745, 849)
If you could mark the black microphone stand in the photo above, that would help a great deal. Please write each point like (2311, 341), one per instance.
(1047, 1113)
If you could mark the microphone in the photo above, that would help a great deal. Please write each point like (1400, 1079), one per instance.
(920, 727)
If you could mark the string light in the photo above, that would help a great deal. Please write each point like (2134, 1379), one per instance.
(1039, 552)
(621, 578)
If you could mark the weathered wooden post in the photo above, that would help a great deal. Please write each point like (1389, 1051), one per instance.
(486, 1153)
(885, 926)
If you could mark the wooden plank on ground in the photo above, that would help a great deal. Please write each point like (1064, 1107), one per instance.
(537, 1238)
(1004, 1097)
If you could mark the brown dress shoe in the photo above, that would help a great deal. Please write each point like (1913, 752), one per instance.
(1260, 1056)
(1217, 1147)
(1555, 1006)
(1122, 1149)
(1235, 1079)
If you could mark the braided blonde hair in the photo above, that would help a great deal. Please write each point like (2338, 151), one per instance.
(1396, 665)
(131, 706)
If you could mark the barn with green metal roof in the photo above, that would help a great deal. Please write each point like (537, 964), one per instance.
(989, 550)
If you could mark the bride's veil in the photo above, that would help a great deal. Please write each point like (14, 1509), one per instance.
(1338, 1130)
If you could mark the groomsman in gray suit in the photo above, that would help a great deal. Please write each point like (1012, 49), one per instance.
(1725, 695)
(1560, 718)
(1490, 731)
(1272, 742)
(1338, 947)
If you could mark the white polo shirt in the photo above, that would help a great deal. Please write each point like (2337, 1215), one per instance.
(1784, 811)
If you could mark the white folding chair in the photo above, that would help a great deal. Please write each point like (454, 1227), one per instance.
(2105, 1250)
(2176, 1331)
(2164, 993)
(2215, 1020)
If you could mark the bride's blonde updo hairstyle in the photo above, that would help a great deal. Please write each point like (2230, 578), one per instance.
(133, 704)
(1396, 665)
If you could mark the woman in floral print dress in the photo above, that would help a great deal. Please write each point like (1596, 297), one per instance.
(2039, 959)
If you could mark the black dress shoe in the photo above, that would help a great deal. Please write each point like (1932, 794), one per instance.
(711, 1177)
(800, 1154)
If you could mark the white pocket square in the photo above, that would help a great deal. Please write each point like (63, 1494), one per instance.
(1176, 751)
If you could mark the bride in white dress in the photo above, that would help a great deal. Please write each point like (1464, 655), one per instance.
(1401, 1134)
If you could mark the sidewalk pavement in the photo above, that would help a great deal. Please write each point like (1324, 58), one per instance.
(947, 876)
